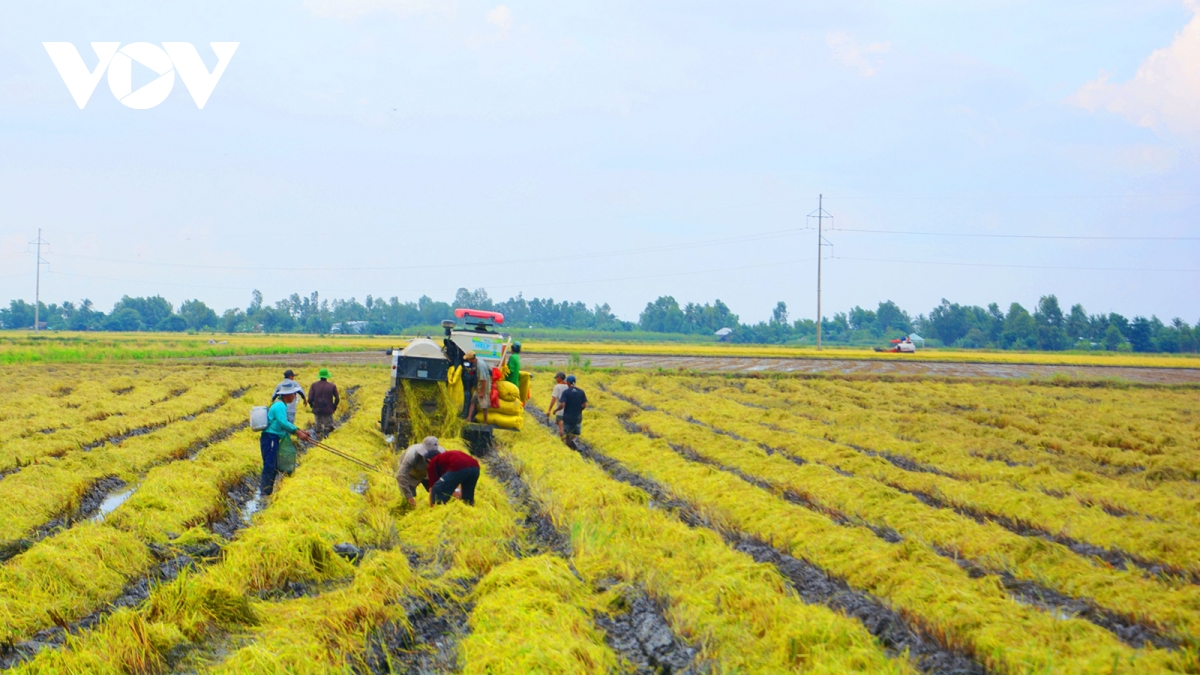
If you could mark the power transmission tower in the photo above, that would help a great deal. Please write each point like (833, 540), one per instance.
(37, 292)
(820, 214)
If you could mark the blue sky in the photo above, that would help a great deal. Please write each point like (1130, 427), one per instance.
(614, 152)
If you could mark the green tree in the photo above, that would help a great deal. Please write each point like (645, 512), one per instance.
(779, 315)
(663, 316)
(1141, 335)
(1020, 330)
(1078, 325)
(1113, 337)
(123, 319)
(1049, 319)
(151, 311)
(197, 315)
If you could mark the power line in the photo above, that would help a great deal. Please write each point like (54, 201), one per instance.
(1019, 236)
(473, 264)
(1027, 267)
(447, 288)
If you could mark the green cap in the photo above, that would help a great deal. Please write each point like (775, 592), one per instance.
(323, 373)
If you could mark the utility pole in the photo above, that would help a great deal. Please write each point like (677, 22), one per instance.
(820, 215)
(37, 288)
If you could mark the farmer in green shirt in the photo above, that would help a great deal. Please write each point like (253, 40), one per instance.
(514, 365)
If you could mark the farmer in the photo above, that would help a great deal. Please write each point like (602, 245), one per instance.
(414, 467)
(449, 471)
(470, 379)
(278, 426)
(560, 385)
(324, 399)
(571, 404)
(514, 365)
(482, 397)
(290, 377)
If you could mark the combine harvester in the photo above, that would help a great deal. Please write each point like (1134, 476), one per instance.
(432, 386)
(904, 345)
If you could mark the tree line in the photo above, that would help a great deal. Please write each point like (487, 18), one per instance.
(1047, 327)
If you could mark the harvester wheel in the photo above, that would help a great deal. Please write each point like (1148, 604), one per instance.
(387, 416)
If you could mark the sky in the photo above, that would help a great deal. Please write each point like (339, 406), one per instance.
(615, 152)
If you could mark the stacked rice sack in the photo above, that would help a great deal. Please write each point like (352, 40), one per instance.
(509, 414)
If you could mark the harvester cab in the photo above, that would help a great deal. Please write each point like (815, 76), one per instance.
(427, 395)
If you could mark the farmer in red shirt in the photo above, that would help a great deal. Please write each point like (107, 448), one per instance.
(449, 470)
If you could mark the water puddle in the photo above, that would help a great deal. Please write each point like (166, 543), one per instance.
(110, 504)
(252, 507)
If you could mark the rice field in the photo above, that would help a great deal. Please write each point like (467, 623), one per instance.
(705, 524)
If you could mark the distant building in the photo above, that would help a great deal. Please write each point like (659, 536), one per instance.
(916, 339)
(349, 327)
(723, 334)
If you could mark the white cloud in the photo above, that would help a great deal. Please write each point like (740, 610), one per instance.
(347, 10)
(501, 16)
(848, 52)
(1165, 93)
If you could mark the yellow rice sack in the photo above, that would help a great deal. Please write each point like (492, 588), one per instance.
(526, 378)
(508, 408)
(503, 421)
(454, 388)
(508, 391)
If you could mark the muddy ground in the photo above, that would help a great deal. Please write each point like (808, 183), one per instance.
(747, 364)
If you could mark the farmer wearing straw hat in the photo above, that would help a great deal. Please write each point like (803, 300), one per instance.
(278, 427)
(414, 467)
(324, 399)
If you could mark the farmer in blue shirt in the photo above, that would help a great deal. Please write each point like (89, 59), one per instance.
(278, 426)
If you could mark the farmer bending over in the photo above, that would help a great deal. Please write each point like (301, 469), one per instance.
(278, 426)
(414, 468)
(448, 471)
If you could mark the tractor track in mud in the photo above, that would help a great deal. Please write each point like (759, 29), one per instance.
(94, 496)
(168, 565)
(814, 585)
(170, 561)
(641, 633)
(1112, 557)
(439, 623)
(1133, 633)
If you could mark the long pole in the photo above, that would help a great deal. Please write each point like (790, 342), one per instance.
(37, 288)
(820, 212)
